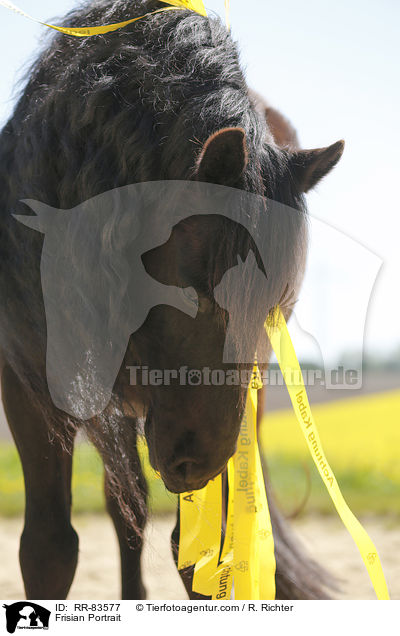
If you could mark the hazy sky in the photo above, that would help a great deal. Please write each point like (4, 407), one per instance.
(333, 68)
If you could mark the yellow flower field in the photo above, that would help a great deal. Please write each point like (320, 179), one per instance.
(361, 440)
(362, 432)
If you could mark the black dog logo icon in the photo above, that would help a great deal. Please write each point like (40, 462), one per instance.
(26, 616)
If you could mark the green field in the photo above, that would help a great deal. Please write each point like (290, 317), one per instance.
(361, 439)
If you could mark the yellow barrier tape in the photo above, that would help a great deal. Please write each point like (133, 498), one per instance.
(247, 561)
(266, 556)
(282, 345)
(193, 537)
(84, 32)
(254, 559)
(227, 15)
(210, 536)
(222, 586)
(193, 5)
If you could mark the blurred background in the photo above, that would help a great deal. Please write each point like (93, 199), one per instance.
(332, 69)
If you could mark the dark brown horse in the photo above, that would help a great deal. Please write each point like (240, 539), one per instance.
(164, 99)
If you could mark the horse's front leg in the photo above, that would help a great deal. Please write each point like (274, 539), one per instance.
(49, 544)
(129, 527)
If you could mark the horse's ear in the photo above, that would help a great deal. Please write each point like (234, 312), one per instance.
(223, 159)
(282, 130)
(310, 166)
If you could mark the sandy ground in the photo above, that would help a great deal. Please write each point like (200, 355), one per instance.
(98, 571)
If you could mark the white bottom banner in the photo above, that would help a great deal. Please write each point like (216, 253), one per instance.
(272, 617)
